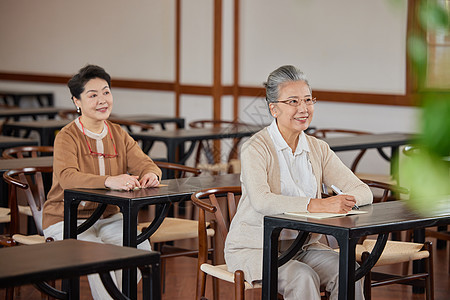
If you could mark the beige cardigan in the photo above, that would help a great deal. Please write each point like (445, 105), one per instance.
(74, 167)
(261, 195)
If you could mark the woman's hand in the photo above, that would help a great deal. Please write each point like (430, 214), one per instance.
(341, 204)
(122, 182)
(149, 180)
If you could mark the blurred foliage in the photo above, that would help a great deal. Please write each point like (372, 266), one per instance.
(427, 171)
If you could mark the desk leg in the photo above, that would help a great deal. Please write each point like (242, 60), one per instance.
(346, 267)
(70, 217)
(48, 137)
(71, 286)
(418, 266)
(129, 276)
(171, 157)
(270, 262)
(396, 235)
(151, 285)
(395, 163)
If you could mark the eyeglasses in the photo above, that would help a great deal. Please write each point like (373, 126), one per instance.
(296, 102)
(96, 153)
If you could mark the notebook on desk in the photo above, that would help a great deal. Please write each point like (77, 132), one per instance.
(324, 215)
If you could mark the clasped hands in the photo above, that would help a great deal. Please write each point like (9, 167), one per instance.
(130, 182)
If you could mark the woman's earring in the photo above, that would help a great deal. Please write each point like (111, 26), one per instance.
(78, 110)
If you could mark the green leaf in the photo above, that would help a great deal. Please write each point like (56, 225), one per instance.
(433, 16)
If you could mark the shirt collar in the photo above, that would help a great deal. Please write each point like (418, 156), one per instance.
(280, 143)
(92, 135)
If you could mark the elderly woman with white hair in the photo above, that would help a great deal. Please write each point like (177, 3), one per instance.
(283, 169)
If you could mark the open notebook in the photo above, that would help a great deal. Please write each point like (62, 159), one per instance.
(324, 215)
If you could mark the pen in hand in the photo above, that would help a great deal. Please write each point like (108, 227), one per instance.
(339, 192)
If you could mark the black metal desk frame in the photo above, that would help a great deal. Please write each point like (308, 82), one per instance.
(130, 203)
(69, 259)
(352, 228)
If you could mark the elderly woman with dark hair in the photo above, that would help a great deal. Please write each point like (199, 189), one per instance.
(283, 170)
(91, 152)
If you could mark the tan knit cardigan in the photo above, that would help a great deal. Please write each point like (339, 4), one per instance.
(261, 195)
(74, 167)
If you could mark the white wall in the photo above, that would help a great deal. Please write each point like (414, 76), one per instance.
(346, 45)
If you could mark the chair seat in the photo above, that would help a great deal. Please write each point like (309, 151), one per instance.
(221, 272)
(5, 216)
(5, 219)
(173, 229)
(394, 252)
(4, 211)
(25, 210)
(29, 239)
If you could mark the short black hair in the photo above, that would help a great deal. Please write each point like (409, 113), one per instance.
(78, 81)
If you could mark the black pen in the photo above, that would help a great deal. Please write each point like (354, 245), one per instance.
(339, 192)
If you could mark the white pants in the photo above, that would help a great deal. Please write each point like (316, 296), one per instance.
(302, 277)
(106, 231)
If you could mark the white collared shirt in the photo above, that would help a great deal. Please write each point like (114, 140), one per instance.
(296, 175)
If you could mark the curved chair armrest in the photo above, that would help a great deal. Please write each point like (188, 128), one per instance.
(177, 167)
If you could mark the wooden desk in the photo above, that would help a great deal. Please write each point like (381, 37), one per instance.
(16, 97)
(382, 219)
(69, 259)
(154, 119)
(175, 139)
(12, 141)
(15, 113)
(373, 141)
(45, 128)
(17, 163)
(130, 203)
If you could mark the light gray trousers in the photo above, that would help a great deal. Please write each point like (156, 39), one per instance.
(311, 271)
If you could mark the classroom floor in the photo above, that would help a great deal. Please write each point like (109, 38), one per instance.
(181, 280)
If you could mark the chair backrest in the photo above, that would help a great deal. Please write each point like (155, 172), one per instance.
(387, 189)
(26, 151)
(180, 170)
(208, 147)
(207, 202)
(31, 182)
(322, 133)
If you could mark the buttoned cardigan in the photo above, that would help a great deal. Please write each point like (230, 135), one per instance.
(261, 195)
(75, 167)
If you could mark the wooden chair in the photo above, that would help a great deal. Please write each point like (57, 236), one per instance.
(207, 149)
(176, 229)
(23, 152)
(5, 215)
(327, 132)
(206, 201)
(222, 215)
(26, 151)
(396, 252)
(30, 181)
